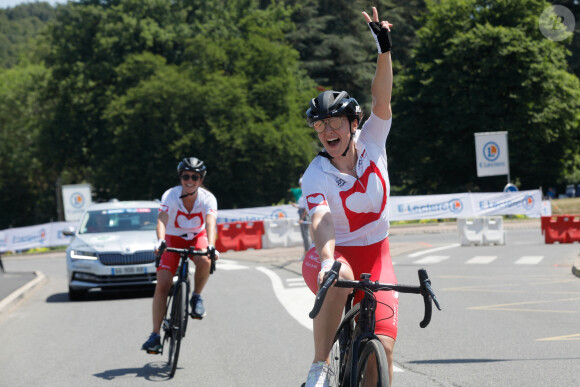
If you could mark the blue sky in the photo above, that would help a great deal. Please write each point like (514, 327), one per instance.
(12, 3)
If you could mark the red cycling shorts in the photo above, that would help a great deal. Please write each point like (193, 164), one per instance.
(170, 261)
(374, 259)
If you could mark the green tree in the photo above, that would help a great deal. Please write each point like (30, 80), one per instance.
(27, 194)
(480, 67)
(336, 47)
(18, 26)
(136, 86)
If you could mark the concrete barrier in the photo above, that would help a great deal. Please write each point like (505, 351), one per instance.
(281, 233)
(481, 231)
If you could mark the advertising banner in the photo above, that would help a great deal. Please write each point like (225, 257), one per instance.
(44, 235)
(465, 205)
(257, 213)
(491, 154)
(75, 199)
(508, 203)
(430, 207)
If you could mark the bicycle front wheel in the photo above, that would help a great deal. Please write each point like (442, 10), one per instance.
(372, 368)
(176, 325)
(338, 360)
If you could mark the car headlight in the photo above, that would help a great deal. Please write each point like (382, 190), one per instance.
(78, 254)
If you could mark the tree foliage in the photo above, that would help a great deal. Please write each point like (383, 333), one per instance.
(18, 26)
(480, 67)
(136, 86)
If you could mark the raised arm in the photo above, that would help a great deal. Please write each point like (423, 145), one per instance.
(382, 85)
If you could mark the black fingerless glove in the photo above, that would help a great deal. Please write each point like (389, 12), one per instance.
(382, 37)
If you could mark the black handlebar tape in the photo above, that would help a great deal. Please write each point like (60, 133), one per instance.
(330, 277)
(424, 280)
(212, 259)
(160, 252)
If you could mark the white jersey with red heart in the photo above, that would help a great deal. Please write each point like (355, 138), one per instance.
(359, 206)
(180, 220)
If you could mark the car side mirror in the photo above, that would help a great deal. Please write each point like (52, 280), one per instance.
(69, 231)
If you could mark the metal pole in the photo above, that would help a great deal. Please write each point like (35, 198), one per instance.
(59, 200)
(508, 155)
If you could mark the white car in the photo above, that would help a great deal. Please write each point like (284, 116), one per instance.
(113, 248)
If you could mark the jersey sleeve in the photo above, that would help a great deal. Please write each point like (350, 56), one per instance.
(164, 205)
(314, 193)
(210, 205)
(375, 130)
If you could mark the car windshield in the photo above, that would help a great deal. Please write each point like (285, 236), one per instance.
(115, 220)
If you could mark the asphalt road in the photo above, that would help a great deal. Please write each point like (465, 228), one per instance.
(510, 318)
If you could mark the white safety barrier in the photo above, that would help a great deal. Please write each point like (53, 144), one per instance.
(481, 231)
(281, 233)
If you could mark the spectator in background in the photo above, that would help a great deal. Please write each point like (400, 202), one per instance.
(551, 194)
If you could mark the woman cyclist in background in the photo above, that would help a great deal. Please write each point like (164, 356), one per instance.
(346, 189)
(187, 218)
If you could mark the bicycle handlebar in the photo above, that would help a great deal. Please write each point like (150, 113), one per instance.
(424, 289)
(188, 252)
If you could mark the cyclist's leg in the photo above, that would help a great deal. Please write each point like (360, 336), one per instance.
(165, 272)
(328, 319)
(380, 266)
(202, 262)
(164, 282)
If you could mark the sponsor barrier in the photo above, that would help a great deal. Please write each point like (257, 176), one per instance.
(561, 228)
(239, 236)
(460, 205)
(481, 231)
(281, 233)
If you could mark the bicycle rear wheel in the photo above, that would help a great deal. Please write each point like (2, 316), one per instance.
(175, 329)
(372, 368)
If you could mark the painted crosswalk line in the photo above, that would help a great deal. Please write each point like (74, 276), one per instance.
(481, 259)
(529, 260)
(431, 259)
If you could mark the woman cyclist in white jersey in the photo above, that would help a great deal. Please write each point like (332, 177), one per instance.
(346, 189)
(187, 217)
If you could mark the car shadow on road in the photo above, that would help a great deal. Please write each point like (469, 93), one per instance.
(155, 371)
(103, 296)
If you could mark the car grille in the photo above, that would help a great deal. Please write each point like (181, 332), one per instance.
(117, 259)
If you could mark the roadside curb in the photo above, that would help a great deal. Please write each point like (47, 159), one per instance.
(21, 292)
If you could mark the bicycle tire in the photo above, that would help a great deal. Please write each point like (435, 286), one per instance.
(339, 358)
(373, 356)
(176, 327)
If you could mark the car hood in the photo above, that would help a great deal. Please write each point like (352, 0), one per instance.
(124, 242)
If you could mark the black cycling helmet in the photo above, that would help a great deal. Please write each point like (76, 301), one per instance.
(191, 164)
(333, 104)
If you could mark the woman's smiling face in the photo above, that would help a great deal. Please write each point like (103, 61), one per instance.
(335, 140)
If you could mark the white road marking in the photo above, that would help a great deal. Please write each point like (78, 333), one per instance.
(481, 259)
(529, 260)
(297, 301)
(226, 264)
(431, 259)
(419, 253)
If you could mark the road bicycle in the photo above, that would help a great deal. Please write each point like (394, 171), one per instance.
(356, 347)
(177, 310)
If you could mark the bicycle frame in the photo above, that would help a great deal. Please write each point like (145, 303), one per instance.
(174, 331)
(364, 331)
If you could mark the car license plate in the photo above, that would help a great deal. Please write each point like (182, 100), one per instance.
(128, 270)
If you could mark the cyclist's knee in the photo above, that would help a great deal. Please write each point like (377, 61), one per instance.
(389, 345)
(164, 281)
(202, 262)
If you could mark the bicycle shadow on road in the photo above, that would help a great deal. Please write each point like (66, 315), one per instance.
(155, 372)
